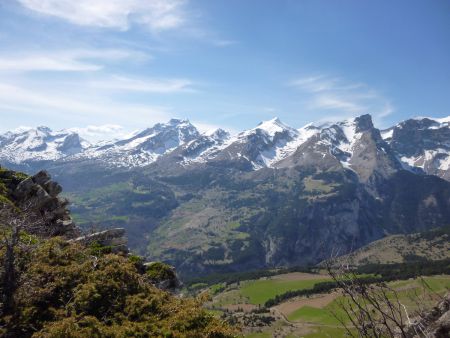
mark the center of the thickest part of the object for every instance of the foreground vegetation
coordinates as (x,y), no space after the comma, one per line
(51,286)
(65,291)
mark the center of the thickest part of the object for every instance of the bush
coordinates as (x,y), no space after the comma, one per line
(158,271)
(64,291)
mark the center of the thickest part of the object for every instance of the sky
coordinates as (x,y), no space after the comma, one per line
(109,67)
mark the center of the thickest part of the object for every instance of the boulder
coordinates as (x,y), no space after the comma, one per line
(24,188)
(40,199)
(52,188)
(41,177)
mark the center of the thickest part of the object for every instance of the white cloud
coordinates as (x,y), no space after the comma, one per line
(50,103)
(336,102)
(70,60)
(95,133)
(121,83)
(44,63)
(224,42)
(157,15)
(342,98)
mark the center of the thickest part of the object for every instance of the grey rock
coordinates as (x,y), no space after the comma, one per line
(114,238)
(52,188)
(39,192)
(41,198)
(24,188)
(41,177)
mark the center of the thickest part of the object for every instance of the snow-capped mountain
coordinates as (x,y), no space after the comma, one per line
(341,183)
(262,146)
(422,144)
(146,146)
(353,144)
(39,144)
(203,148)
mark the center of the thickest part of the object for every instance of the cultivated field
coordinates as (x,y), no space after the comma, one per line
(313,316)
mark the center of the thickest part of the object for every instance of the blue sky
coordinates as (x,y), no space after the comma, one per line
(108,67)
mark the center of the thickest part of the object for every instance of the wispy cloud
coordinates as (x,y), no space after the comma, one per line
(78,106)
(157,15)
(224,42)
(70,60)
(342,98)
(96,133)
(121,83)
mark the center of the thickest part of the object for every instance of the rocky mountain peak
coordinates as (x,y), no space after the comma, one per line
(419,144)
(176,122)
(363,123)
(422,145)
(39,144)
(218,134)
(273,127)
(44,129)
(146,146)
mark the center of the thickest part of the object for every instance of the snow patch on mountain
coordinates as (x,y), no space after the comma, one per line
(387,134)
(352,136)
(205,147)
(39,144)
(266,144)
(281,151)
(144,147)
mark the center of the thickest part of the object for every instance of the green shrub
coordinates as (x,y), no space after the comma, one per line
(98,249)
(158,271)
(64,291)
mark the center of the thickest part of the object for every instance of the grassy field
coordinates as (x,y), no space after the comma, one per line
(426,289)
(314,315)
(259,291)
(314,321)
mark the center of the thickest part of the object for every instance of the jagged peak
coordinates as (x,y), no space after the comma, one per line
(273,126)
(426,122)
(364,122)
(44,129)
(309,126)
(178,122)
(217,134)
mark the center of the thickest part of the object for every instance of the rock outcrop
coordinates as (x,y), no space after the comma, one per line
(39,195)
(115,239)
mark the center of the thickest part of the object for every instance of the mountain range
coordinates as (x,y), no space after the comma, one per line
(269,196)
(421,145)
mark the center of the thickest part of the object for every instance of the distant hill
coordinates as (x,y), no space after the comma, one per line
(430,245)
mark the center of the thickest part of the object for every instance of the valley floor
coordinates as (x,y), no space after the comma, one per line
(318,315)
